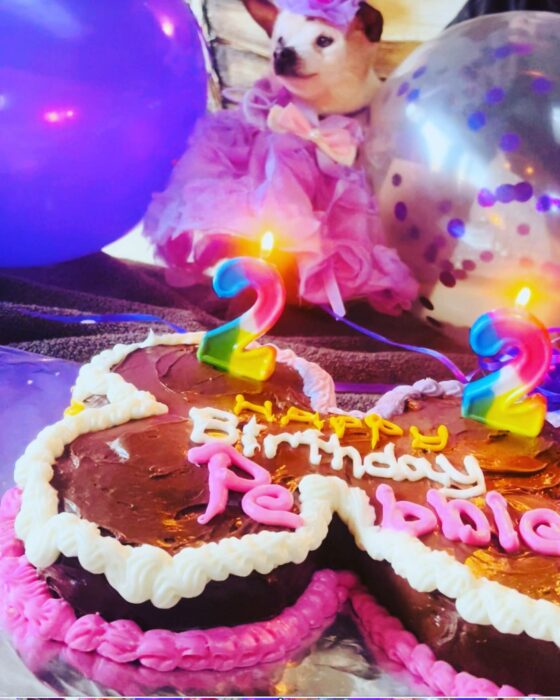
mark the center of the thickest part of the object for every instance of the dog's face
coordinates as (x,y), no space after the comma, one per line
(304,48)
(319,62)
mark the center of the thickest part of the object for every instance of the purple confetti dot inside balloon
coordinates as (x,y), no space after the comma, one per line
(396,179)
(505,194)
(468,265)
(495,95)
(523,49)
(456,228)
(523,229)
(414,233)
(542,85)
(446,265)
(445,206)
(460,274)
(413,95)
(544,203)
(403,89)
(504,51)
(419,72)
(523,191)
(476,121)
(447,279)
(486,198)
(401,211)
(487,256)
(510,142)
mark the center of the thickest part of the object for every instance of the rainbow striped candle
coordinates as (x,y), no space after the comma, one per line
(501,399)
(226,347)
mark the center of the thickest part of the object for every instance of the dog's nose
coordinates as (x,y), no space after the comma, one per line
(285,61)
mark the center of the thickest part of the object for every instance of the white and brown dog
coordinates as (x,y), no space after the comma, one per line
(328,67)
(288,159)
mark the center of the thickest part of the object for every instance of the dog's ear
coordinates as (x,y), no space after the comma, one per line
(263,12)
(371,21)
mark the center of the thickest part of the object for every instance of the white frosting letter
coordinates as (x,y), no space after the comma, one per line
(210,424)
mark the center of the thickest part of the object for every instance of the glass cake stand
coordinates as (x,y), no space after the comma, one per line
(337,664)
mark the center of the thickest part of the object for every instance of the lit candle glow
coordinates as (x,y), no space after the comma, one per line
(524,297)
(267,244)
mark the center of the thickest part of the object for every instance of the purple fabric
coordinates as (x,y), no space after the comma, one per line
(239,179)
(337,12)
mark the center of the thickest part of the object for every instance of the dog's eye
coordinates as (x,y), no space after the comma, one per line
(323,41)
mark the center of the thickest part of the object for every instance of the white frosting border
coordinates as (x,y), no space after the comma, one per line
(96,376)
(147,573)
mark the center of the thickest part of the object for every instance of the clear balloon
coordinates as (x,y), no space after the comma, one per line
(464,155)
(97,99)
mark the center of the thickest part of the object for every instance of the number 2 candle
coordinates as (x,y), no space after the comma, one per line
(501,399)
(226,347)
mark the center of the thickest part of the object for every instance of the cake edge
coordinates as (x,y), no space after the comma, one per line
(95,377)
(149,573)
(28,598)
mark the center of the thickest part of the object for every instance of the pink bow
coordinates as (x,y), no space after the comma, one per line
(337,143)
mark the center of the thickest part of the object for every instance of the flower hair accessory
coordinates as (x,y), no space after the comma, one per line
(336,12)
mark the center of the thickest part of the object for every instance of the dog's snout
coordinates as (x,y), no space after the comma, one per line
(285,60)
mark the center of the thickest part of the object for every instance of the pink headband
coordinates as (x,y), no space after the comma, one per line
(336,12)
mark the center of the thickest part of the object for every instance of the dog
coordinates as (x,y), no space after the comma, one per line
(330,69)
(287,158)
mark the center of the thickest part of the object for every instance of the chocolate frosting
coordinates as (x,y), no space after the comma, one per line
(136,483)
(176,378)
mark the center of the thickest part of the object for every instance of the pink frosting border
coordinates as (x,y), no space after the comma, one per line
(27,599)
(27,596)
(385,632)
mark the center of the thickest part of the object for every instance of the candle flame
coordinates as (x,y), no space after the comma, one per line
(524,297)
(267,244)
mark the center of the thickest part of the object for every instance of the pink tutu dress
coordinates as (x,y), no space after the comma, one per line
(239,178)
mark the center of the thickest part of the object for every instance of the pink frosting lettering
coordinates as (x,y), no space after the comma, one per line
(509,539)
(461,520)
(540,530)
(409,517)
(221,480)
(270,504)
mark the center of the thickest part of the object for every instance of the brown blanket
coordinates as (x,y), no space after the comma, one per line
(101,284)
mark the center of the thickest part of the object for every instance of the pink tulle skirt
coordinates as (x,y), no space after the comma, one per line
(239,179)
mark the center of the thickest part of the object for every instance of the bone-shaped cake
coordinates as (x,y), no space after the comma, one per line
(181,498)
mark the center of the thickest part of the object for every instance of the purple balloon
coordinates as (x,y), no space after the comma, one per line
(97,100)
